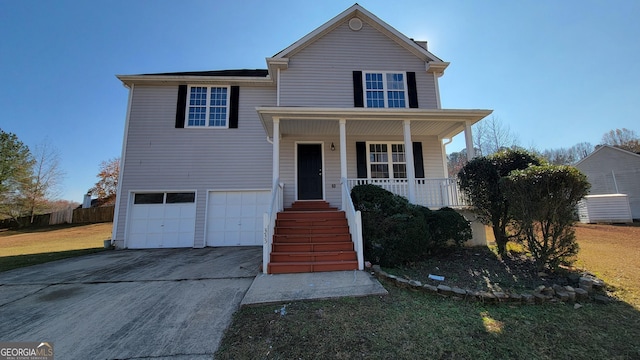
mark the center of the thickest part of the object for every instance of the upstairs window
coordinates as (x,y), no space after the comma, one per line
(387,161)
(385,89)
(208,107)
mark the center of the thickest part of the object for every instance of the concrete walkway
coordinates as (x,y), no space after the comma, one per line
(267,289)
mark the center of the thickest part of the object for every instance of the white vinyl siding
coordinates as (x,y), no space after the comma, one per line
(321,75)
(159,156)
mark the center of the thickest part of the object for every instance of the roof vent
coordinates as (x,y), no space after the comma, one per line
(355,24)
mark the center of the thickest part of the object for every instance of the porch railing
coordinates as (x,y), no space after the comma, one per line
(269,222)
(432,193)
(354,218)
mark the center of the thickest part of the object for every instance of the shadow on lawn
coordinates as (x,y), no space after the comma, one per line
(40,229)
(18,261)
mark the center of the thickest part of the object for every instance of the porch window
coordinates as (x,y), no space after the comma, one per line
(208,106)
(385,90)
(387,161)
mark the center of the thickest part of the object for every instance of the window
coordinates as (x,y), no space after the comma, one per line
(164,198)
(208,106)
(385,90)
(387,161)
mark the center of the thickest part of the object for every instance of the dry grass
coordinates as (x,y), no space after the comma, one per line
(612,252)
(33,246)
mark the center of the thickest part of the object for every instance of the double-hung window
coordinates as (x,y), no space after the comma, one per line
(387,161)
(385,89)
(208,106)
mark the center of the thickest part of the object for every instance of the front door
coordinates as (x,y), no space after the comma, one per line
(309,171)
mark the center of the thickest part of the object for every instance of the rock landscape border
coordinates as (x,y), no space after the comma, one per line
(590,288)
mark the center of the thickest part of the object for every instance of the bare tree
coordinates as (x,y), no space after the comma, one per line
(582,150)
(107,185)
(46,178)
(491,135)
(623,138)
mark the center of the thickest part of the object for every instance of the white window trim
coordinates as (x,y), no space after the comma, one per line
(385,88)
(206,124)
(389,157)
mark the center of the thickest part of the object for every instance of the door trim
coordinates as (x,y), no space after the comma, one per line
(295,165)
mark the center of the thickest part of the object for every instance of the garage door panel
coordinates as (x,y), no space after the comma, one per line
(235,217)
(161,225)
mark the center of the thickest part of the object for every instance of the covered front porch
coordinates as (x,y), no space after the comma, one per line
(401,150)
(322,153)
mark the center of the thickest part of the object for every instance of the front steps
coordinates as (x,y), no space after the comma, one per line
(311,236)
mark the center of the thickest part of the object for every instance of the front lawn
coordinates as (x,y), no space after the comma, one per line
(27,247)
(414,325)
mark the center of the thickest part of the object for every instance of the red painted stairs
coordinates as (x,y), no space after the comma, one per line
(311,236)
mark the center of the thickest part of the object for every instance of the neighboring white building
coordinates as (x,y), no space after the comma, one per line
(352,102)
(611,170)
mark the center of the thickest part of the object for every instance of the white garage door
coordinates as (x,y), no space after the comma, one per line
(234,218)
(162,220)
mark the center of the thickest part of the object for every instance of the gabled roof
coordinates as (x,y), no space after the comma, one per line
(363,14)
(601,147)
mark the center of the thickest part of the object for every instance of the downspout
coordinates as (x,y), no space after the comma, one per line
(444,156)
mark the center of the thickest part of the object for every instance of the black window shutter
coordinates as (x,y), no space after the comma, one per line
(233,107)
(358,96)
(413,92)
(181,107)
(361,159)
(418,163)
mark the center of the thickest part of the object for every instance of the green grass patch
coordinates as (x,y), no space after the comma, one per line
(409,325)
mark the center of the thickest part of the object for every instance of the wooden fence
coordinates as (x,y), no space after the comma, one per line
(93,215)
(69,216)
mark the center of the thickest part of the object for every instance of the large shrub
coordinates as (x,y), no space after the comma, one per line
(446,227)
(480,181)
(543,201)
(396,232)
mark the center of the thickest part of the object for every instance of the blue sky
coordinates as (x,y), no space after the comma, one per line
(556,72)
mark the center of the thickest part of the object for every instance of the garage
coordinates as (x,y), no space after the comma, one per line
(162,220)
(234,218)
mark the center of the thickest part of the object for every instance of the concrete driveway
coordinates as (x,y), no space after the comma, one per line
(129,304)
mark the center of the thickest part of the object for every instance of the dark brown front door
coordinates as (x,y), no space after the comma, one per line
(309,172)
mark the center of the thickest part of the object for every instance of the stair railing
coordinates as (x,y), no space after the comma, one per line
(354,219)
(269,222)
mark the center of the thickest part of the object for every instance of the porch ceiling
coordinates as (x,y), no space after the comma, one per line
(443,123)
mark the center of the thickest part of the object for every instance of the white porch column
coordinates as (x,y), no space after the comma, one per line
(411,171)
(276,150)
(468,137)
(343,148)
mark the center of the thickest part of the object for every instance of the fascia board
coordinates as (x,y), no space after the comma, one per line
(127,80)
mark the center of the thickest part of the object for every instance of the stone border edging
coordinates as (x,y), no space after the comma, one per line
(588,286)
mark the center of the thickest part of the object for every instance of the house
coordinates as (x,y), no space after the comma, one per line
(612,170)
(210,158)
